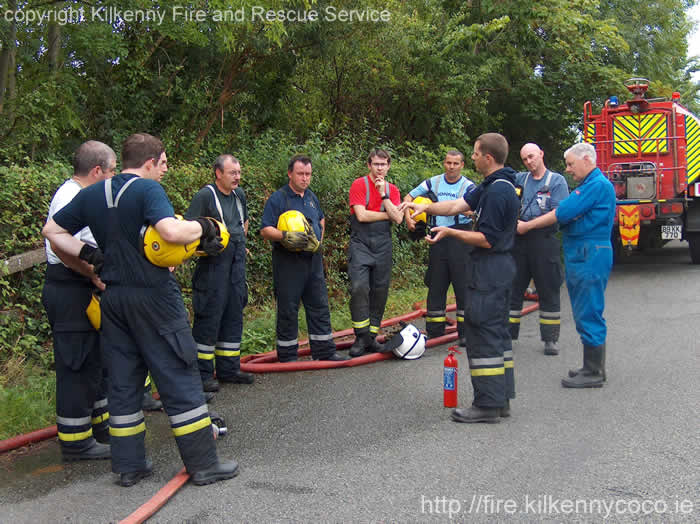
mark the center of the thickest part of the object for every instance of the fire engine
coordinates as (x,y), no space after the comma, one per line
(650,150)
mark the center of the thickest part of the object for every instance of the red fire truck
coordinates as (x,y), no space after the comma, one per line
(650,150)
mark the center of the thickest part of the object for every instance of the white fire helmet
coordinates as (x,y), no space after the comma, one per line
(409,343)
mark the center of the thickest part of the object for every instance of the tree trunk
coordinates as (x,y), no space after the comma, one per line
(7,59)
(54,45)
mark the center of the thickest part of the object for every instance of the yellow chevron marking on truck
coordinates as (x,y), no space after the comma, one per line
(640,133)
(692,151)
(590,133)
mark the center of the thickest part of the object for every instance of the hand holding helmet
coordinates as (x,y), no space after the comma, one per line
(312,244)
(297,234)
(210,241)
(294,240)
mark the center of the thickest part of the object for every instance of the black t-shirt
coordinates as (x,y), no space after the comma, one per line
(204,205)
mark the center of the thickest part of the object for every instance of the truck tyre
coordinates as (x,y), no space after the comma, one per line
(694,245)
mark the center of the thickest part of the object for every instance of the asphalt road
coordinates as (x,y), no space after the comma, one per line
(373,443)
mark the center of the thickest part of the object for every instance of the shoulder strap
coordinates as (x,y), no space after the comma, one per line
(239,206)
(436,183)
(462,188)
(216,201)
(366,179)
(112,202)
(527,177)
(549,178)
(506,181)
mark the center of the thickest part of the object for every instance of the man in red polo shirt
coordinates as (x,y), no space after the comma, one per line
(373,208)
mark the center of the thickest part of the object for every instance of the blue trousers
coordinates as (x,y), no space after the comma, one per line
(588,265)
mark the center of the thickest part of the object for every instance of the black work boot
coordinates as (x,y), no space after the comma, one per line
(210,385)
(374,346)
(358,347)
(95,452)
(477,414)
(238,377)
(592,374)
(150,404)
(220,471)
(505,410)
(550,347)
(134,477)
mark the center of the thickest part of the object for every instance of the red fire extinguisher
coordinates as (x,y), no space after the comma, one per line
(449,382)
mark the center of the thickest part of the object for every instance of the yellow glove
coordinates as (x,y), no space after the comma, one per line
(312,244)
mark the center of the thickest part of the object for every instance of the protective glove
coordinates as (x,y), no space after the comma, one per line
(210,241)
(312,244)
(419,232)
(92,255)
(294,240)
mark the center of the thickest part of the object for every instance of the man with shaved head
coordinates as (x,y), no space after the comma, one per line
(536,252)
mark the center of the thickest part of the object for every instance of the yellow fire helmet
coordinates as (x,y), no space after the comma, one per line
(292,221)
(421,217)
(165,254)
(222,232)
(94,313)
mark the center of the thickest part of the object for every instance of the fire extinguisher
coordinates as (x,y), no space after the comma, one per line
(449,382)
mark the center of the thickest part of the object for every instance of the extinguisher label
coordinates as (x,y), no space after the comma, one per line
(449,378)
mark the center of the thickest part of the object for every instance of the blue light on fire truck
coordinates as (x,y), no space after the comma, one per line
(613,101)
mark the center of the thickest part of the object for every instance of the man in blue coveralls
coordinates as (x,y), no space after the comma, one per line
(586,221)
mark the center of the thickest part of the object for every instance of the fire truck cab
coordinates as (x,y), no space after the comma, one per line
(650,150)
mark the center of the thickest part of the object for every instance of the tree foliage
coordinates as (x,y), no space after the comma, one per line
(438,71)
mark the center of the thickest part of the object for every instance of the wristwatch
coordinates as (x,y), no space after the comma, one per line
(386,197)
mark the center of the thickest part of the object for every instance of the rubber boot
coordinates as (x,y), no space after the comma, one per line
(574,372)
(222,470)
(358,347)
(592,374)
(550,348)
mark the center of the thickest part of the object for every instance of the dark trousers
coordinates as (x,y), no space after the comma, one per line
(370,275)
(447,264)
(81,402)
(299,278)
(162,343)
(537,257)
(486,329)
(219,295)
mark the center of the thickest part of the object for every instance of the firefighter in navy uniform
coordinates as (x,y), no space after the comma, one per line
(537,253)
(144,321)
(586,221)
(81,395)
(448,259)
(297,265)
(489,278)
(373,208)
(219,291)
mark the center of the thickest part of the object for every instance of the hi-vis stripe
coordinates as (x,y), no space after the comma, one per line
(634,132)
(692,150)
(590,133)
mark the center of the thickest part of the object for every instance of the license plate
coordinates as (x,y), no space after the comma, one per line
(671,232)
